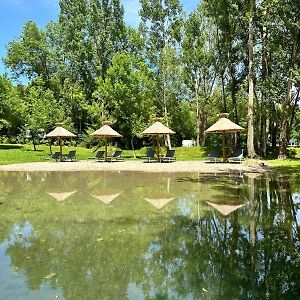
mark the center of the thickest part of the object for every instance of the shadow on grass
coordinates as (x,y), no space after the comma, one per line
(10,147)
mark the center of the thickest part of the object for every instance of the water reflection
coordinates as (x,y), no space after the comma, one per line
(179,247)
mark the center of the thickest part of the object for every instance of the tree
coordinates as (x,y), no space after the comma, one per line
(127,95)
(199,67)
(161,26)
(250,136)
(12,107)
(42,111)
(92,32)
(30,55)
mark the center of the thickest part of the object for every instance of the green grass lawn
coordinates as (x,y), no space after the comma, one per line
(12,153)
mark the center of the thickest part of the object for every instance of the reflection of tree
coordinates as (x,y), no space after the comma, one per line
(92,250)
(216,258)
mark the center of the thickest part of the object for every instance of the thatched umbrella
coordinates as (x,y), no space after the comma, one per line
(60,133)
(62,195)
(225,209)
(159,203)
(157,129)
(106,198)
(106,132)
(223,126)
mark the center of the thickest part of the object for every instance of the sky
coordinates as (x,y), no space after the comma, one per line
(14,13)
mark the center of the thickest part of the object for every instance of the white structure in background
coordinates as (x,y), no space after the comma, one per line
(188,143)
(40,133)
(293,143)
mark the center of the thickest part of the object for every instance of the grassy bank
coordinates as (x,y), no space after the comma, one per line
(11,153)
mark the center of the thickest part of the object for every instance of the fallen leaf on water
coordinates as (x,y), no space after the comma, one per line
(100,240)
(203,289)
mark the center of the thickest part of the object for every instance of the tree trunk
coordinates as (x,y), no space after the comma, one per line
(34,144)
(132,146)
(233,86)
(165,101)
(203,125)
(197,110)
(250,137)
(286,108)
(263,128)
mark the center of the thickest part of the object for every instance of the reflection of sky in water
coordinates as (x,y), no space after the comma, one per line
(13,282)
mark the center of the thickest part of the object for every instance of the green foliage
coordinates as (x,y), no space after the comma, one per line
(127,95)
(88,67)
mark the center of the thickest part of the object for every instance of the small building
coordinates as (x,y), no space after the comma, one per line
(188,143)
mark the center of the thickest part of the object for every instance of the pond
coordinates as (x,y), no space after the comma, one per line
(122,235)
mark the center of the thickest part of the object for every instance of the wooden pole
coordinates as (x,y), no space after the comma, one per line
(158,146)
(224,150)
(105,138)
(60,147)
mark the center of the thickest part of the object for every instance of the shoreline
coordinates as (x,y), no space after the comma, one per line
(135,166)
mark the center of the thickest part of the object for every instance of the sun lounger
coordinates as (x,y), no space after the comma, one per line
(115,157)
(149,156)
(71,156)
(237,156)
(56,156)
(213,156)
(99,156)
(169,157)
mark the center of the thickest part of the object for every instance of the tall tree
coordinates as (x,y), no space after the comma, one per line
(199,66)
(250,135)
(93,31)
(29,55)
(161,25)
(127,95)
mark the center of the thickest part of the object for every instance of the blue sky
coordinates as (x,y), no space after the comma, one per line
(14,13)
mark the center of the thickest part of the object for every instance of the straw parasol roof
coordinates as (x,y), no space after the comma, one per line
(61,196)
(224,124)
(106,131)
(106,198)
(159,203)
(60,132)
(225,209)
(157,128)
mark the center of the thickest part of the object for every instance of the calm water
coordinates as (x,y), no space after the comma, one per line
(148,236)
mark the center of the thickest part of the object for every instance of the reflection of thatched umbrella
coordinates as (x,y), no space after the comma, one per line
(223,126)
(61,196)
(225,209)
(60,133)
(157,129)
(159,203)
(106,198)
(106,132)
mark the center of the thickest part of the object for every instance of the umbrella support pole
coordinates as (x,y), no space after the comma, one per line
(60,148)
(105,148)
(224,150)
(158,146)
